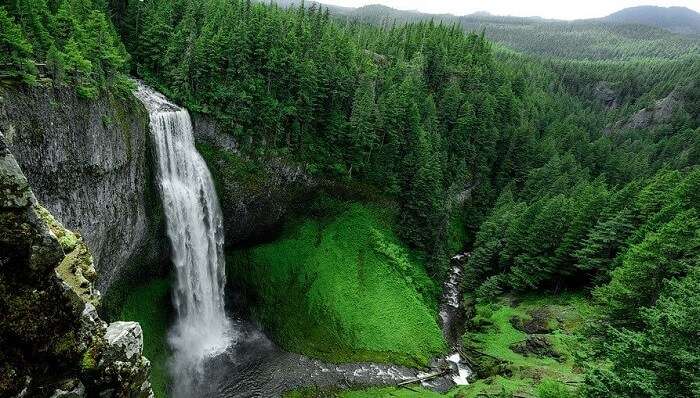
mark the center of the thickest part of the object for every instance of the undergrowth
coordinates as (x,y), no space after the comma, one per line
(147,304)
(561,317)
(340,286)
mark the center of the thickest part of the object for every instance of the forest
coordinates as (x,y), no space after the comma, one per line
(564,172)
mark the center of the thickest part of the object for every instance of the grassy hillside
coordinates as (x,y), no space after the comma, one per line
(508,366)
(147,304)
(340,286)
(522,341)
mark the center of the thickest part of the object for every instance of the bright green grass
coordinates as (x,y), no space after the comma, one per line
(147,305)
(531,376)
(413,392)
(343,289)
(377,392)
(494,386)
(567,314)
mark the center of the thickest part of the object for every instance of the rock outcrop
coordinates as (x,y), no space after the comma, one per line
(604,93)
(659,113)
(255,195)
(88,163)
(53,342)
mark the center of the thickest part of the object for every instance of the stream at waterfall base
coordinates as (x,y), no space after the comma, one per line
(254,366)
(216,354)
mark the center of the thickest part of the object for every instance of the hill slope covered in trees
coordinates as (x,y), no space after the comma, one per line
(674,19)
(577,172)
(609,38)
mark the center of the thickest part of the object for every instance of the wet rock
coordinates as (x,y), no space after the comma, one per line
(14,188)
(537,345)
(88,163)
(71,389)
(208,130)
(126,336)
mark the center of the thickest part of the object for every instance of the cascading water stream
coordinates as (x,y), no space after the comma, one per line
(252,365)
(194,227)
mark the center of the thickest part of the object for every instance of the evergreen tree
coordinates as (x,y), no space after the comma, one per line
(15,50)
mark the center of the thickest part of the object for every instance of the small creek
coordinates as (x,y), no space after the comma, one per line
(256,367)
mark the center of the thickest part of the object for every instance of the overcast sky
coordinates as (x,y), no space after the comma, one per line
(560,9)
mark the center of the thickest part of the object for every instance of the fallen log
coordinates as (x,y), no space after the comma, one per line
(466,358)
(426,377)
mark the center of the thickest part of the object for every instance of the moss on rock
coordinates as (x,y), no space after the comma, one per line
(77,268)
(47,320)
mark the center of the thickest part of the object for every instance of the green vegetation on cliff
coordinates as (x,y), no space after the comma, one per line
(148,305)
(557,175)
(342,287)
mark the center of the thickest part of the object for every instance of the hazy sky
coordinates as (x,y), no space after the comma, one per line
(560,9)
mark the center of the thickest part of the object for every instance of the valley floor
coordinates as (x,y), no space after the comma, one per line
(524,347)
(339,286)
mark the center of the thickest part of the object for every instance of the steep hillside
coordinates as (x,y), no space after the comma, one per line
(342,287)
(583,39)
(675,19)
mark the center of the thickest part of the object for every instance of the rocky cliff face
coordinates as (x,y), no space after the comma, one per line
(53,342)
(606,95)
(88,163)
(659,113)
(255,195)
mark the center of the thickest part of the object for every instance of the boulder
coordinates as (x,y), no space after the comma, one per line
(537,345)
(124,338)
(537,324)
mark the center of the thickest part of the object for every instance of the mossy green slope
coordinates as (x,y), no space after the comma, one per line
(563,316)
(343,288)
(147,304)
(378,392)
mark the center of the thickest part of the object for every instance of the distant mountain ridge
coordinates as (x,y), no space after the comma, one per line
(634,33)
(675,19)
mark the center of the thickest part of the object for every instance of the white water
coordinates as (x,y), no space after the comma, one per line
(194,227)
(449,305)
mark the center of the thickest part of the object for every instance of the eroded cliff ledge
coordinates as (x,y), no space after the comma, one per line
(53,342)
(88,162)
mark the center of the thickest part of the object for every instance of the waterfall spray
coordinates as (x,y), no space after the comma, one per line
(194,227)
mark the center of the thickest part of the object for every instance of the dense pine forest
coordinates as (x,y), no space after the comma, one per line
(591,39)
(566,172)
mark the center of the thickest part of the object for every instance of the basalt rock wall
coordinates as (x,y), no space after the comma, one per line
(88,162)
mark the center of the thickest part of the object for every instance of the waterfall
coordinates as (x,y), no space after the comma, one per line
(194,227)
